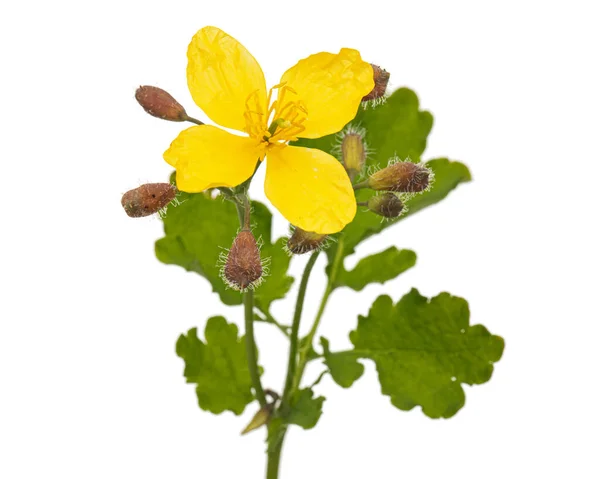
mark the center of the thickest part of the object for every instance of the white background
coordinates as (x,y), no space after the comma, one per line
(90,384)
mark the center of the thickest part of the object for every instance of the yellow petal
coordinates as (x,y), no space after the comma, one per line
(222,75)
(331,87)
(310,188)
(206,157)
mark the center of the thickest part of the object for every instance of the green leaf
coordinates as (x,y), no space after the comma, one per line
(344,368)
(201,228)
(424,349)
(377,268)
(218,366)
(305,410)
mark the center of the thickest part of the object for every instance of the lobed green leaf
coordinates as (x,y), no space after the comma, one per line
(424,349)
(305,410)
(217,366)
(376,268)
(344,368)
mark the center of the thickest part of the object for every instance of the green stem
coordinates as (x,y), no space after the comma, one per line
(243,215)
(271,320)
(292,360)
(337,261)
(273,459)
(192,120)
(251,347)
(274,453)
(361,185)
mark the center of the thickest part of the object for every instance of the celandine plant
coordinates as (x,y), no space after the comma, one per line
(343,163)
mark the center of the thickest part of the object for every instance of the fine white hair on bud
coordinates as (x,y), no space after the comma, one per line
(301,241)
(352,150)
(401,176)
(377,95)
(388,205)
(243,268)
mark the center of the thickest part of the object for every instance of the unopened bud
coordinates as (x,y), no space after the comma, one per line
(304,241)
(148,199)
(160,104)
(387,205)
(260,418)
(354,152)
(381,79)
(243,267)
(403,176)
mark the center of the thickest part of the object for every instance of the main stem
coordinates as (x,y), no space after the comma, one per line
(274,453)
(244,214)
(296,368)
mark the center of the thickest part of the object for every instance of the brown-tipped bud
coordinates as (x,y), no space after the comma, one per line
(387,205)
(160,104)
(243,267)
(148,199)
(261,418)
(403,176)
(381,79)
(354,153)
(304,241)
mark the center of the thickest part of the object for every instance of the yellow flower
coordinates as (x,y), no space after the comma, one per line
(316,97)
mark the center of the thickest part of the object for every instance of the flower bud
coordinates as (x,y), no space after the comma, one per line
(354,152)
(381,79)
(160,104)
(243,267)
(387,205)
(403,176)
(148,199)
(304,241)
(261,418)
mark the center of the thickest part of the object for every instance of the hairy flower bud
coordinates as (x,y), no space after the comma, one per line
(387,205)
(304,241)
(403,176)
(243,268)
(148,199)
(354,153)
(157,102)
(381,79)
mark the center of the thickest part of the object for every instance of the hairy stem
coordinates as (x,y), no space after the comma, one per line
(339,254)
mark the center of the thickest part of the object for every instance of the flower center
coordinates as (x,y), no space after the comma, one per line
(285,117)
